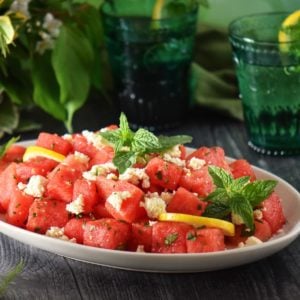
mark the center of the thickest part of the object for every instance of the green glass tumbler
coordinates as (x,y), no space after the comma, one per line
(150,59)
(268,73)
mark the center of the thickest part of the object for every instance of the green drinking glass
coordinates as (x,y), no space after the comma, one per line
(150,46)
(268,72)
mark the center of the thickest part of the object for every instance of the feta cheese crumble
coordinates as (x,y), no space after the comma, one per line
(196,163)
(154,205)
(94,139)
(250,241)
(58,233)
(97,170)
(174,151)
(135,176)
(175,160)
(76,206)
(81,157)
(35,187)
(236,219)
(116,199)
(258,215)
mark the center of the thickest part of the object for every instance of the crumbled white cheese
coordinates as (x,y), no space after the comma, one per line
(175,160)
(174,151)
(236,219)
(112,176)
(154,205)
(35,187)
(116,199)
(94,138)
(166,196)
(196,163)
(58,233)
(76,206)
(67,137)
(81,157)
(135,176)
(104,129)
(99,170)
(252,240)
(140,248)
(258,215)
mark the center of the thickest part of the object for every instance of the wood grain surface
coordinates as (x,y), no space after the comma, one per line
(49,276)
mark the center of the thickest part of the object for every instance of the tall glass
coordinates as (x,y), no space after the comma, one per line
(268,72)
(150,50)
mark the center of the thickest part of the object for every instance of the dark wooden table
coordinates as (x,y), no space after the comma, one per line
(49,276)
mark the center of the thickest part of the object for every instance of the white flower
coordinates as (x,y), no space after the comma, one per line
(52,25)
(20,6)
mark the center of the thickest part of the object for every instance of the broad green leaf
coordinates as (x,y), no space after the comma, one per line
(240,183)
(171,141)
(112,136)
(123,160)
(217,210)
(9,116)
(257,191)
(240,206)
(221,178)
(218,195)
(27,125)
(4,148)
(144,140)
(72,60)
(46,89)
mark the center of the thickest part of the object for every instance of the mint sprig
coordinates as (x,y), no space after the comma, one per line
(130,145)
(238,196)
(5,147)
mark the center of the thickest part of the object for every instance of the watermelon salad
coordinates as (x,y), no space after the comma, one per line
(123,190)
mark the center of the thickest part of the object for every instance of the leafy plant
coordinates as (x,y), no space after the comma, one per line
(238,196)
(129,145)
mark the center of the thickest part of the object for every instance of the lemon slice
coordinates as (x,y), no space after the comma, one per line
(36,151)
(227,227)
(285,34)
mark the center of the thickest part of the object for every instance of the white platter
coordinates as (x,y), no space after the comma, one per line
(173,263)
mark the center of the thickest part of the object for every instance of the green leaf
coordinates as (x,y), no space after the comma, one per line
(144,140)
(218,195)
(240,183)
(46,91)
(5,147)
(112,136)
(72,60)
(9,116)
(10,277)
(217,209)
(240,206)
(171,141)
(257,191)
(95,3)
(221,178)
(126,133)
(123,160)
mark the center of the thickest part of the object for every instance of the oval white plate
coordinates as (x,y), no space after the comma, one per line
(176,263)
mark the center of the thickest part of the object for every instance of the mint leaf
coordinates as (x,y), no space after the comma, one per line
(217,209)
(112,136)
(124,160)
(145,141)
(171,141)
(218,195)
(5,147)
(240,183)
(126,133)
(221,178)
(259,190)
(240,206)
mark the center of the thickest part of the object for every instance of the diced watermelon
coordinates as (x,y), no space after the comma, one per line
(273,212)
(183,152)
(163,173)
(100,211)
(54,142)
(87,189)
(8,183)
(262,230)
(197,181)
(130,209)
(75,228)
(18,208)
(37,166)
(205,240)
(102,156)
(240,168)
(14,153)
(75,162)
(81,145)
(169,237)
(45,213)
(186,202)
(239,237)
(141,235)
(61,182)
(107,233)
(213,156)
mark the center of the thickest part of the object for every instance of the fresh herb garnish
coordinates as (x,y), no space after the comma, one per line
(237,196)
(171,238)
(130,145)
(10,277)
(4,148)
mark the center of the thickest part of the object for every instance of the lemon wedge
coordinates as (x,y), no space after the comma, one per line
(286,31)
(227,227)
(36,151)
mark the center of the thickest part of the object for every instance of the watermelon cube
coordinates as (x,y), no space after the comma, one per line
(54,142)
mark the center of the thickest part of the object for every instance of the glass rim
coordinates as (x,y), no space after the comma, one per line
(194,9)
(249,40)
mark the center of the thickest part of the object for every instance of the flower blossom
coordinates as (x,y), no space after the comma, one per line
(20,6)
